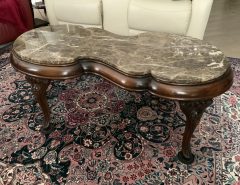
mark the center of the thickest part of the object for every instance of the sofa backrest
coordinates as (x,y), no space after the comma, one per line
(78,12)
(130,17)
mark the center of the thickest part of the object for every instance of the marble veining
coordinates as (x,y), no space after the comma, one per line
(167,57)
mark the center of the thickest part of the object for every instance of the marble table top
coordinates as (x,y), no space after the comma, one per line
(167,57)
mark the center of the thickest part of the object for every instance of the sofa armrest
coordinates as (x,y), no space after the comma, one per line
(199,19)
(115,15)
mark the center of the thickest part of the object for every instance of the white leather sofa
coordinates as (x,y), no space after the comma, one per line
(129,17)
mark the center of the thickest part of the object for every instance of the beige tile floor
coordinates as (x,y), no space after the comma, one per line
(223,29)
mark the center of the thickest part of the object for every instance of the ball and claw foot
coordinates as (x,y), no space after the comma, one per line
(47,130)
(184,159)
(193,110)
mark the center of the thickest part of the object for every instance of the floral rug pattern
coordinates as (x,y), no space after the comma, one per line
(109,136)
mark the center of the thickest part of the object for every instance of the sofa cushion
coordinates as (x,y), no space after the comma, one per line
(115,16)
(159,15)
(78,11)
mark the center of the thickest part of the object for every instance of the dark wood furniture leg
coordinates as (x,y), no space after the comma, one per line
(39,87)
(193,111)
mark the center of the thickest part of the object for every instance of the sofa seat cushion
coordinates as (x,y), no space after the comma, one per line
(159,15)
(78,11)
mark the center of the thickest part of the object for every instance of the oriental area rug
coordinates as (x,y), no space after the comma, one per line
(109,136)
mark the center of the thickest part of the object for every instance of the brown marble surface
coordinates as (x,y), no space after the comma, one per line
(167,57)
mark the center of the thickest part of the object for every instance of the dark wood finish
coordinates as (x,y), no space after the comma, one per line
(39,87)
(194,99)
(135,83)
(193,111)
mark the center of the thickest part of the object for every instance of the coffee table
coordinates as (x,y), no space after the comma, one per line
(170,66)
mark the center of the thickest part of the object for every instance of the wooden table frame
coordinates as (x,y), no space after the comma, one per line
(193,99)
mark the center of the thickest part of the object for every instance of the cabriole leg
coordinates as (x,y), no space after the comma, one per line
(193,111)
(39,87)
